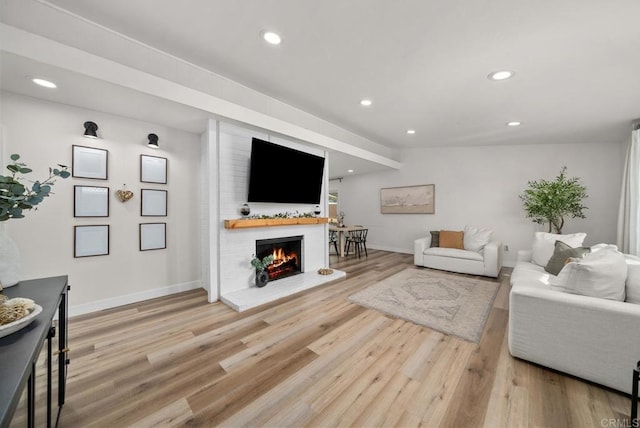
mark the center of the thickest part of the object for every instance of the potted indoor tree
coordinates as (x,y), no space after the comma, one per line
(551,201)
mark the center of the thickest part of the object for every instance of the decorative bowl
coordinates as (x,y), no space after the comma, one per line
(16,325)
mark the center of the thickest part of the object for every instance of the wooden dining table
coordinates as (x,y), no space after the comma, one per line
(342,234)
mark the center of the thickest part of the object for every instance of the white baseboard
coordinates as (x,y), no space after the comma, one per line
(131,298)
(392,249)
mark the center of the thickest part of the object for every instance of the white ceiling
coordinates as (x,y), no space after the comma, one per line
(423,62)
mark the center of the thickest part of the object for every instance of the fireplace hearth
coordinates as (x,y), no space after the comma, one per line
(287,255)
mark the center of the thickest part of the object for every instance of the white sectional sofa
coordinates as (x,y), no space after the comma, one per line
(480,259)
(594,338)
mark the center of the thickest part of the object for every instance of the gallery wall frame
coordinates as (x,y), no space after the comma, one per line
(153,203)
(153,169)
(90,240)
(153,236)
(418,199)
(89,162)
(90,201)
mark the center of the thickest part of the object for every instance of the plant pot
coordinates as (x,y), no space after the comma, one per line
(262,277)
(9,260)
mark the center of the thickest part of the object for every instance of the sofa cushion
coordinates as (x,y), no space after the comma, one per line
(526,274)
(632,288)
(451,239)
(561,253)
(453,253)
(475,238)
(435,238)
(543,245)
(601,273)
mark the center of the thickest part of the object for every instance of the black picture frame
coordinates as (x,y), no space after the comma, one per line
(89,162)
(153,202)
(91,240)
(153,236)
(90,201)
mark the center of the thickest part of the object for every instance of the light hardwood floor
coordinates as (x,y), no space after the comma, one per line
(313,359)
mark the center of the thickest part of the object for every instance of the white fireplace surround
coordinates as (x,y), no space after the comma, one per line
(229,274)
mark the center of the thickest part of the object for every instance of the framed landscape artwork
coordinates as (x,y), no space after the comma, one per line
(408,200)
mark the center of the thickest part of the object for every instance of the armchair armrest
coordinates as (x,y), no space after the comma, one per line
(493,258)
(419,245)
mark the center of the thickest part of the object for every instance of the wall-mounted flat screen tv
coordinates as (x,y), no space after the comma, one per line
(284,175)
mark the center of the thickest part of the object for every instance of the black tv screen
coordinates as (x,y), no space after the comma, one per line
(283,175)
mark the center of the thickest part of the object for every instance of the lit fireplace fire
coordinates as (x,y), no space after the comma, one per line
(282,264)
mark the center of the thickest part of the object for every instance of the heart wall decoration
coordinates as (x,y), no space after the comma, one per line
(124,195)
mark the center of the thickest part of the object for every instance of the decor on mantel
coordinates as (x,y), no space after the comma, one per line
(285,214)
(316,210)
(15,198)
(551,201)
(245,210)
(123,194)
(262,276)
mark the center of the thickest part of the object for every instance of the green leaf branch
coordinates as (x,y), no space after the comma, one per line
(16,195)
(261,265)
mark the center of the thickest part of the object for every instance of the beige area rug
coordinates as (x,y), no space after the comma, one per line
(452,304)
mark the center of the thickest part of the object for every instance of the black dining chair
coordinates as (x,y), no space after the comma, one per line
(333,239)
(359,240)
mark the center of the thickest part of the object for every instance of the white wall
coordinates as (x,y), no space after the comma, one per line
(480,186)
(43,134)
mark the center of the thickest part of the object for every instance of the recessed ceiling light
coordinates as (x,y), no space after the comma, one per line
(500,75)
(514,123)
(44,83)
(349,170)
(366,102)
(271,37)
(411,131)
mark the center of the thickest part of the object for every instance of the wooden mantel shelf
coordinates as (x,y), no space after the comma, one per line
(244,223)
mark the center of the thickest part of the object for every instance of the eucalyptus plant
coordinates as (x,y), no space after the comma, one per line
(552,201)
(261,265)
(16,195)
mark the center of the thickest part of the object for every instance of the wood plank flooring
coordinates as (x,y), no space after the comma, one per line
(313,359)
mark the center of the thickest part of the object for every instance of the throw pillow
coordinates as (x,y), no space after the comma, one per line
(475,238)
(543,245)
(435,238)
(599,274)
(633,279)
(561,253)
(451,239)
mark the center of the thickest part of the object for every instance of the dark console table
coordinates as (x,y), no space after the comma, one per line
(19,351)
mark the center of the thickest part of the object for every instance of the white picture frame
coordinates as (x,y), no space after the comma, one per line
(91,240)
(89,162)
(153,236)
(153,169)
(153,203)
(90,201)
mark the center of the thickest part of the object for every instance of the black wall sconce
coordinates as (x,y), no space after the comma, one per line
(153,141)
(90,130)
